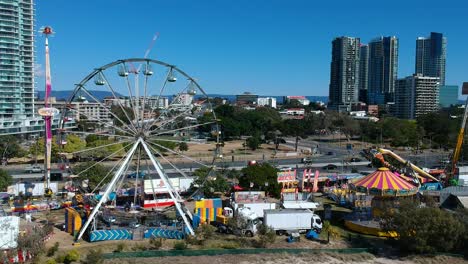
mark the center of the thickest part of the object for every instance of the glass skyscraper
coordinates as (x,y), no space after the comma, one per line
(382,70)
(448,95)
(17,67)
(363,70)
(431,56)
(344,73)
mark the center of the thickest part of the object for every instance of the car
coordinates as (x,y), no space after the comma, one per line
(306,160)
(285,168)
(34,168)
(330,167)
(354,160)
(329,153)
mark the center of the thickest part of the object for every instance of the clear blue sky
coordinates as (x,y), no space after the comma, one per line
(269,47)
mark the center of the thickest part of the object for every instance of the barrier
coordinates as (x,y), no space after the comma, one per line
(164,233)
(114,234)
(214,252)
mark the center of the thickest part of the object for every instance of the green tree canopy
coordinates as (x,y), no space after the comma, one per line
(10,148)
(209,182)
(424,230)
(259,175)
(5,180)
(93,172)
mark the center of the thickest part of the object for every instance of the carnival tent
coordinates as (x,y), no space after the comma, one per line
(384,183)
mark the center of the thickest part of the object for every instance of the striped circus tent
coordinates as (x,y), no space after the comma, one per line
(384,183)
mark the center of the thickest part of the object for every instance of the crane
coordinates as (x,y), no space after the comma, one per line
(452,168)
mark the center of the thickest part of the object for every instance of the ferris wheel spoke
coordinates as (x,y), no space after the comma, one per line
(108,173)
(102,160)
(168,121)
(129,89)
(118,100)
(182,128)
(170,163)
(90,118)
(137,174)
(107,109)
(102,146)
(145,92)
(178,153)
(176,141)
(159,95)
(107,134)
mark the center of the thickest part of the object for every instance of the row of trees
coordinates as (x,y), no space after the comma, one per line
(436,130)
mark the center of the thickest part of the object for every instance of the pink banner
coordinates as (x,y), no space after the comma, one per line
(315,188)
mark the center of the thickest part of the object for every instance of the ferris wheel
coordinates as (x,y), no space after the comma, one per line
(148,112)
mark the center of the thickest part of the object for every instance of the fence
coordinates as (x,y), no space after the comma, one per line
(214,252)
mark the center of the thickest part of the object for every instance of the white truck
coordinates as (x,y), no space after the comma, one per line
(257,208)
(292,220)
(247,222)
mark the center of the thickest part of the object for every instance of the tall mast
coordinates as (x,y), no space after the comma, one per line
(48,115)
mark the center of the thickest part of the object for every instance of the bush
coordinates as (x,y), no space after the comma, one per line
(120,247)
(51,261)
(93,257)
(71,256)
(51,251)
(180,245)
(266,235)
(156,243)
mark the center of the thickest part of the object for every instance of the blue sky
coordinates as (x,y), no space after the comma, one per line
(269,47)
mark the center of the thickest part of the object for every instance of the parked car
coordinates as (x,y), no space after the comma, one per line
(354,160)
(34,168)
(306,160)
(330,167)
(330,153)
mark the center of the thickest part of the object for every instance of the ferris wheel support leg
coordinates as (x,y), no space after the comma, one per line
(169,188)
(109,188)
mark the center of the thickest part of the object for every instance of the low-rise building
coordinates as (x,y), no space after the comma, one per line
(266,101)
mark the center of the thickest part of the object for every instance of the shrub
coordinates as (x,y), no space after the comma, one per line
(156,243)
(120,247)
(266,235)
(180,245)
(51,261)
(71,256)
(51,251)
(93,257)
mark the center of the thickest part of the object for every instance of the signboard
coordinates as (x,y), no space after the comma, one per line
(158,185)
(286,176)
(254,196)
(48,111)
(31,189)
(9,230)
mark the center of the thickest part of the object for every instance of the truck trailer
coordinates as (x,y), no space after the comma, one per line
(292,220)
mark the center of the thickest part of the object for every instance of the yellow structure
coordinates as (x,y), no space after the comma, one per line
(368,229)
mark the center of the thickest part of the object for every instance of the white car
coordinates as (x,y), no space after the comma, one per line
(34,168)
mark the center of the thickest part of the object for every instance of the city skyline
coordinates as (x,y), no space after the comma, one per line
(251,47)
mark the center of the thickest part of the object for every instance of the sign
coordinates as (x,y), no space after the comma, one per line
(48,111)
(286,176)
(9,231)
(158,185)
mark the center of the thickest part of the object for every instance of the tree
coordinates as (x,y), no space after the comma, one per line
(209,182)
(9,147)
(183,146)
(263,177)
(94,173)
(423,230)
(74,143)
(254,142)
(5,180)
(39,148)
